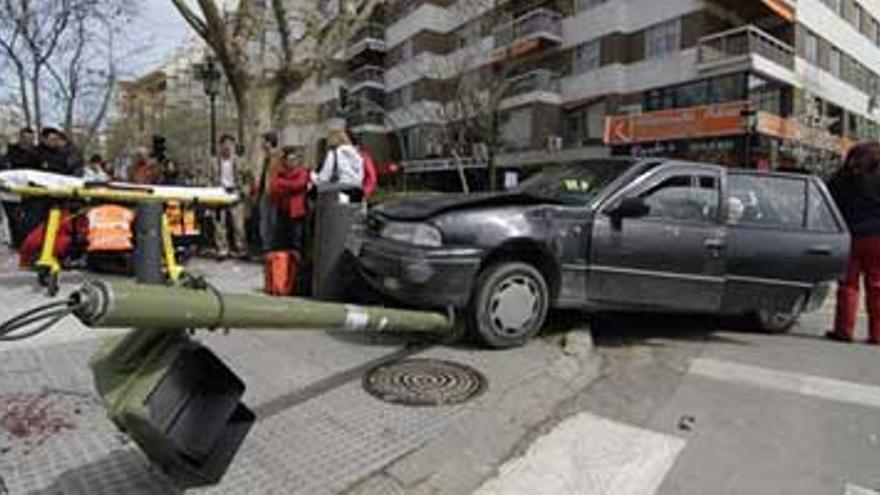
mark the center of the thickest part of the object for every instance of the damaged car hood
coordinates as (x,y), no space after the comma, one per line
(423,208)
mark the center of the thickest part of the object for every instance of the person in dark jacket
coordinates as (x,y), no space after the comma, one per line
(20,155)
(57,154)
(856,189)
(23,154)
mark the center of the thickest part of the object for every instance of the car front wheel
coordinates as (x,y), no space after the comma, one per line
(509,304)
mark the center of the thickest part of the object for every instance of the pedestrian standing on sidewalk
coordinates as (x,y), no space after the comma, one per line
(289,186)
(343,167)
(856,189)
(20,155)
(142,170)
(228,176)
(266,210)
(95,170)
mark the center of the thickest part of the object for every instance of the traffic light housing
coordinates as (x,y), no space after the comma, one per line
(176,400)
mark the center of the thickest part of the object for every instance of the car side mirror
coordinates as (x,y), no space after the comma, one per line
(631,207)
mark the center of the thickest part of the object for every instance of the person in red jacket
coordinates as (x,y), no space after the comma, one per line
(371,175)
(288,187)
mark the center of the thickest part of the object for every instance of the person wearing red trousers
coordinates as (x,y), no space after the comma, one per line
(856,189)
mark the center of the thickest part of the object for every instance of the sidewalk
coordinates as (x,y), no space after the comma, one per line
(318,431)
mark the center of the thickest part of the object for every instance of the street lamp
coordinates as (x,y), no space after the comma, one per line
(210,76)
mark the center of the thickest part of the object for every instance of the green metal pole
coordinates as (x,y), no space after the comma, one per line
(124,304)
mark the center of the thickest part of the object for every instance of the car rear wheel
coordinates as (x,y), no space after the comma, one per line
(509,304)
(777,321)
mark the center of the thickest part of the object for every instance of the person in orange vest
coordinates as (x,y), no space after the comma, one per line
(288,186)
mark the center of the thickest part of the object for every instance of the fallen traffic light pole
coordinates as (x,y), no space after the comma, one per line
(175,399)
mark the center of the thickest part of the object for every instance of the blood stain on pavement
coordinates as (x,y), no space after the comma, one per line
(31,419)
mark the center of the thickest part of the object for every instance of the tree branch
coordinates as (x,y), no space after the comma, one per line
(191,18)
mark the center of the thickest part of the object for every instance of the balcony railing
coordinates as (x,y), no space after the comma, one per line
(366,118)
(536,80)
(539,22)
(367,75)
(371,36)
(740,44)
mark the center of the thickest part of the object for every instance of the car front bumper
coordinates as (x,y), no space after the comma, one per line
(423,277)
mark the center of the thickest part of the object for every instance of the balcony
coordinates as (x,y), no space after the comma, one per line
(371,37)
(369,76)
(366,118)
(540,80)
(535,30)
(746,48)
(540,85)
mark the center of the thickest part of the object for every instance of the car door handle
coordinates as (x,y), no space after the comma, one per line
(714,244)
(820,250)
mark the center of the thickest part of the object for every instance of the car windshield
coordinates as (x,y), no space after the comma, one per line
(575,183)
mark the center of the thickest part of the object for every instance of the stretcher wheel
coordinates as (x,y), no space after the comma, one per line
(49,280)
(52,285)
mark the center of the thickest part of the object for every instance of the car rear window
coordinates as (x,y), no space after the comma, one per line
(768,201)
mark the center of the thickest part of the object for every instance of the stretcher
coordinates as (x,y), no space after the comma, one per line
(60,190)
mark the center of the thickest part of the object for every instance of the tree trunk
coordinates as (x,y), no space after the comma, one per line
(254,119)
(35,93)
(23,94)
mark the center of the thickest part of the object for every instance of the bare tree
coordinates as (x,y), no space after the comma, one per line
(269,48)
(56,49)
(471,85)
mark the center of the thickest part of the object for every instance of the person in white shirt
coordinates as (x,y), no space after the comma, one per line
(343,166)
(232,218)
(94,170)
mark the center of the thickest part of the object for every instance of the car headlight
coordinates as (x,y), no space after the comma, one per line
(420,234)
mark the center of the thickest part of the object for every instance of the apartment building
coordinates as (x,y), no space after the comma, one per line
(754,83)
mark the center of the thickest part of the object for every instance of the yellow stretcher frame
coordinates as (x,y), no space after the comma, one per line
(47,265)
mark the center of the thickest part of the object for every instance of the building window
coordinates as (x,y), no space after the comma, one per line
(581,5)
(858,16)
(663,39)
(834,61)
(812,48)
(834,5)
(516,130)
(587,57)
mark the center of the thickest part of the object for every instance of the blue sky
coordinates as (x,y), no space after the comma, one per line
(155,33)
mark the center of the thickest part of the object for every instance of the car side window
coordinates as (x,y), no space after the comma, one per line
(767,201)
(819,216)
(683,198)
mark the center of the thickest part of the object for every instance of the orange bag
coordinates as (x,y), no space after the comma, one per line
(280,273)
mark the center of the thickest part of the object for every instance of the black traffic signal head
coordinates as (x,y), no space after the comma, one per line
(177,401)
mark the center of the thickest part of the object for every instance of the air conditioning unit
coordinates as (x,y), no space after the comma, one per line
(554,144)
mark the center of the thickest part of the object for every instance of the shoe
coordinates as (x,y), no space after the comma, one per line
(833,335)
(872,342)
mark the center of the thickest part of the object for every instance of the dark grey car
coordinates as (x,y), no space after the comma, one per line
(654,235)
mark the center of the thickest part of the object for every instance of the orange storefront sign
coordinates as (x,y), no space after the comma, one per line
(791,130)
(724,119)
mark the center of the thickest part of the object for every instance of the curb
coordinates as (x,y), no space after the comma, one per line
(474,445)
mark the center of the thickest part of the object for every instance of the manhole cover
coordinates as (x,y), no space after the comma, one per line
(424,382)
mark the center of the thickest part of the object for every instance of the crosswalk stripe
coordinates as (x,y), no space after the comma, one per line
(803,384)
(589,455)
